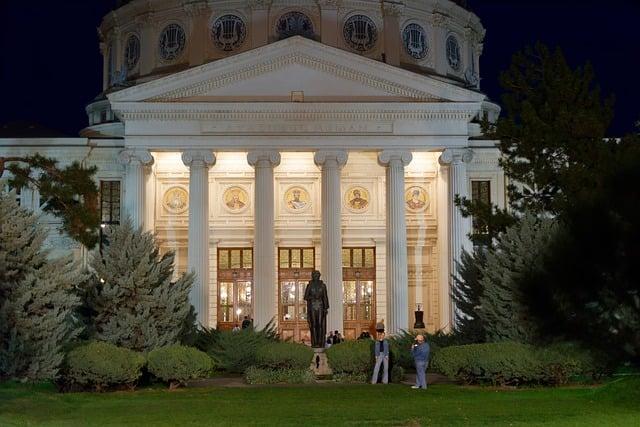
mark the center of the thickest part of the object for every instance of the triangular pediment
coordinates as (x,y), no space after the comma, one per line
(296,69)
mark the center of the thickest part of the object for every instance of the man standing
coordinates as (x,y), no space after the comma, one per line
(420,353)
(382,357)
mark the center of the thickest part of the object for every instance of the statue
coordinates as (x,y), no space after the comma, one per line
(317,306)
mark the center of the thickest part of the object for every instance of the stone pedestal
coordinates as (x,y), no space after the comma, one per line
(320,363)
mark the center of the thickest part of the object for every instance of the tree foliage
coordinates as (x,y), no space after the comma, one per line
(37,299)
(70,192)
(466,294)
(132,301)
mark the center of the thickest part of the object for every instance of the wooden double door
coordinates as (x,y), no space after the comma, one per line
(295,266)
(358,291)
(235,286)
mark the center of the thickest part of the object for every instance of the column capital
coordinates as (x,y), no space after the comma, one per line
(258,156)
(340,156)
(329,4)
(260,4)
(195,7)
(141,156)
(393,8)
(440,19)
(385,157)
(194,157)
(455,156)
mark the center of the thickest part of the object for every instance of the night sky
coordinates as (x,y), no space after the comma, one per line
(50,65)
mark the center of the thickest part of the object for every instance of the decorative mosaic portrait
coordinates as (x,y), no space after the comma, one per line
(235,199)
(416,199)
(297,199)
(176,200)
(357,199)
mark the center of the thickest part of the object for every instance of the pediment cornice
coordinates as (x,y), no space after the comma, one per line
(205,79)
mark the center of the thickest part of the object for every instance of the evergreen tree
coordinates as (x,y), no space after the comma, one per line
(466,294)
(133,302)
(517,252)
(37,299)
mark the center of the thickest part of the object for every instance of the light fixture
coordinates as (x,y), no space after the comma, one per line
(103,225)
(235,275)
(238,311)
(296,274)
(357,274)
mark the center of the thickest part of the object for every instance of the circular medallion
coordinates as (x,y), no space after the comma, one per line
(414,38)
(228,32)
(176,200)
(172,42)
(357,199)
(297,199)
(416,199)
(235,199)
(360,32)
(132,52)
(294,24)
(453,53)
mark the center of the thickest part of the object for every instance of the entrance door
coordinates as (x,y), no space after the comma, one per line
(358,291)
(294,272)
(235,280)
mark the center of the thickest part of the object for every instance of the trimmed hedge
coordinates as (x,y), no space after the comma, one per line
(506,363)
(100,365)
(351,357)
(256,375)
(177,364)
(284,355)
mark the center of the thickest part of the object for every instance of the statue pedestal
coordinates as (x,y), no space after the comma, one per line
(319,363)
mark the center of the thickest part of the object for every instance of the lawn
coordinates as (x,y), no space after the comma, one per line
(615,404)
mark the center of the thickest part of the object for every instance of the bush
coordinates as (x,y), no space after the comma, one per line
(284,355)
(256,375)
(100,365)
(507,363)
(397,374)
(235,351)
(351,378)
(351,357)
(400,345)
(177,364)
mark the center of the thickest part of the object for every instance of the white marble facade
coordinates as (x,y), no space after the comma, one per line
(297,143)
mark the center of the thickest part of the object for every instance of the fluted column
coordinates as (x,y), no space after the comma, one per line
(136,162)
(264,279)
(397,281)
(460,227)
(199,162)
(331,163)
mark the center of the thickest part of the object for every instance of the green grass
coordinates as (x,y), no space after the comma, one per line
(615,404)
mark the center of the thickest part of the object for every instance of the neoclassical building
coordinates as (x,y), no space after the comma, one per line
(261,140)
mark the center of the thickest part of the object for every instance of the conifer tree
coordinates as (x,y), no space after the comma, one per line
(466,294)
(516,254)
(133,302)
(37,298)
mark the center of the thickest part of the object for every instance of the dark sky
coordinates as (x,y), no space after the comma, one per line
(50,65)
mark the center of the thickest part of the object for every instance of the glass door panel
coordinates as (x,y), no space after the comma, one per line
(226,302)
(288,300)
(349,299)
(302,304)
(366,298)
(244,300)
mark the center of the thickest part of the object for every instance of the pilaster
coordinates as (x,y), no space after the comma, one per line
(198,162)
(392,37)
(259,22)
(397,274)
(196,9)
(331,163)
(264,285)
(329,16)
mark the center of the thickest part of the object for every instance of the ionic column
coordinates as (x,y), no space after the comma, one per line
(136,162)
(331,163)
(198,162)
(264,282)
(460,227)
(397,281)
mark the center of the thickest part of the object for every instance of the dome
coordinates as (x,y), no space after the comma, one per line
(145,39)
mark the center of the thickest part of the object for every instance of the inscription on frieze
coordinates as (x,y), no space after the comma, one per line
(244,128)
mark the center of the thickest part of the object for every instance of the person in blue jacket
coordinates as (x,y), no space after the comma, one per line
(420,353)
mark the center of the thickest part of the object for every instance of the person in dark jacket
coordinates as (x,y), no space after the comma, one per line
(420,353)
(246,323)
(382,358)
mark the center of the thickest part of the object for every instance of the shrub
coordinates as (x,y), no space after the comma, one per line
(506,363)
(235,351)
(101,365)
(351,357)
(177,364)
(351,378)
(284,355)
(397,374)
(256,375)
(400,345)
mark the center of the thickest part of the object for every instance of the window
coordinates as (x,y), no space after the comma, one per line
(132,52)
(360,33)
(235,286)
(358,290)
(453,53)
(414,38)
(172,42)
(480,191)
(228,32)
(109,205)
(294,24)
